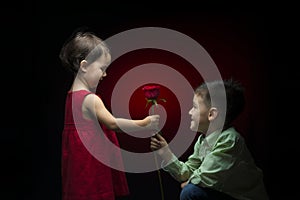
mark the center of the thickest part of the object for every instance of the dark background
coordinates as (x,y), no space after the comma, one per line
(254,43)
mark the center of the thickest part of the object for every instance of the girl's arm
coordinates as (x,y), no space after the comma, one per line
(93,104)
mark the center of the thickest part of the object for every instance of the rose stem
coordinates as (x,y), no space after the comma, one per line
(158,171)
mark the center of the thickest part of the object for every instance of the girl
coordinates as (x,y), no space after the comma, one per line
(89,125)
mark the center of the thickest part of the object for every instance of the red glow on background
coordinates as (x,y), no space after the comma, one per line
(138,110)
(136,106)
(138,102)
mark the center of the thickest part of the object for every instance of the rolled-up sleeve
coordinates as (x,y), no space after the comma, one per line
(182,171)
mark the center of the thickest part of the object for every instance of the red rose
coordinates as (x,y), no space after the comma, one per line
(151,92)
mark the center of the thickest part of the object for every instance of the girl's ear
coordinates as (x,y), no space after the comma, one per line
(83,65)
(213,113)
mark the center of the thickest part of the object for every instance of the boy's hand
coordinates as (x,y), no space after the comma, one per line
(184,184)
(158,143)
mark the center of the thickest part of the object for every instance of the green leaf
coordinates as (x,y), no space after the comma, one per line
(148,101)
(164,100)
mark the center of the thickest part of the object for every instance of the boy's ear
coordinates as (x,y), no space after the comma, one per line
(83,65)
(213,113)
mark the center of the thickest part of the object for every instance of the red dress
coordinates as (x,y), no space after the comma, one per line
(84,177)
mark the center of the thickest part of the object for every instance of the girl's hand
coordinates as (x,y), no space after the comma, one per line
(154,122)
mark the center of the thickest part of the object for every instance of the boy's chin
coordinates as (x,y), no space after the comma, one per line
(193,127)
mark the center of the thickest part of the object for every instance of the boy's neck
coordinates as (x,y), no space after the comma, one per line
(213,129)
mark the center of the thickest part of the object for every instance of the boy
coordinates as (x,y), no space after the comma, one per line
(221,167)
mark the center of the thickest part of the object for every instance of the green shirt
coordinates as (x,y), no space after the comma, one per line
(223,162)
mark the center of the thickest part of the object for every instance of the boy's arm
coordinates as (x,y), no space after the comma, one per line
(181,171)
(159,144)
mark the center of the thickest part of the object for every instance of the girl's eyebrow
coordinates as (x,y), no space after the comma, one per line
(104,66)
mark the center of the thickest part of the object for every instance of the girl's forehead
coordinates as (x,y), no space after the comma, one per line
(107,58)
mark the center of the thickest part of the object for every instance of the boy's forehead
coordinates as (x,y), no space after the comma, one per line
(197,99)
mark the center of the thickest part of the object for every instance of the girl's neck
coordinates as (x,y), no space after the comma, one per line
(78,85)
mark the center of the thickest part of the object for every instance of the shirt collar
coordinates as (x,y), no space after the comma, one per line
(212,138)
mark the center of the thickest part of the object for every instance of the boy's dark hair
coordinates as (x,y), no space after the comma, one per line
(81,45)
(212,92)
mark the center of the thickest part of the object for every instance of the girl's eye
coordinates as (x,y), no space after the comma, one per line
(103,69)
